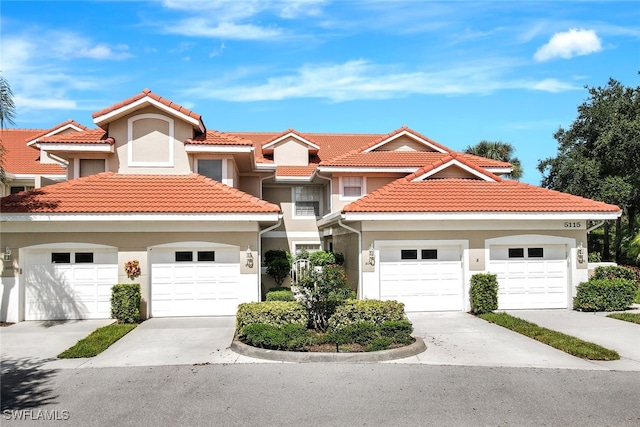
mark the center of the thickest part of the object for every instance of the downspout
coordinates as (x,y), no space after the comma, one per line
(359,233)
(593,227)
(260,233)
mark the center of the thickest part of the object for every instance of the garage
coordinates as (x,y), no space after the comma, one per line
(530,276)
(69,282)
(195,281)
(425,277)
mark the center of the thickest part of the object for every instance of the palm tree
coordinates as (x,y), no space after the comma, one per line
(498,150)
(7,114)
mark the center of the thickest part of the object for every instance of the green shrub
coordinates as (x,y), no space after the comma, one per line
(125,302)
(483,293)
(398,330)
(339,258)
(604,295)
(280,296)
(380,343)
(373,311)
(356,333)
(595,257)
(289,337)
(321,258)
(613,272)
(278,264)
(274,313)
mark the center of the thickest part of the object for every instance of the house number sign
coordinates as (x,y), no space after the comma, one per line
(572,224)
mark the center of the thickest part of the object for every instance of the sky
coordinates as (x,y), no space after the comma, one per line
(457,71)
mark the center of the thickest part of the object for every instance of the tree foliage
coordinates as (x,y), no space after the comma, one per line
(498,150)
(599,154)
(7,115)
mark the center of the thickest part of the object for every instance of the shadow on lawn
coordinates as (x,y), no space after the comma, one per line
(25,385)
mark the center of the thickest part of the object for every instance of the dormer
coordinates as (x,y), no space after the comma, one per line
(64,128)
(405,139)
(290,149)
(453,166)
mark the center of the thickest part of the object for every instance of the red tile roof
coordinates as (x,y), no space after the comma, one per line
(403,159)
(299,171)
(213,137)
(114,193)
(146,93)
(451,158)
(471,195)
(399,131)
(61,126)
(93,136)
(285,133)
(19,158)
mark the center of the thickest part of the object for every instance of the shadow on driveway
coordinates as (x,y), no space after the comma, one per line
(25,385)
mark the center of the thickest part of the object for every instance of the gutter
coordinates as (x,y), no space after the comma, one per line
(359,233)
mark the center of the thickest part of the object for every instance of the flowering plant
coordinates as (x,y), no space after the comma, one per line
(132,268)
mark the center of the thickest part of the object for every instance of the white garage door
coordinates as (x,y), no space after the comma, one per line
(423,278)
(69,283)
(194,282)
(530,276)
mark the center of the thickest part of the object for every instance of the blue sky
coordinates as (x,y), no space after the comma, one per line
(458,72)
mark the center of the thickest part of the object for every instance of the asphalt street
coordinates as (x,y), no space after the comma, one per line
(318,395)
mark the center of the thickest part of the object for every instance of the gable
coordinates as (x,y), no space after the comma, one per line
(405,143)
(291,152)
(454,171)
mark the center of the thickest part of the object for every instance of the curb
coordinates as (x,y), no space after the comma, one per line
(417,347)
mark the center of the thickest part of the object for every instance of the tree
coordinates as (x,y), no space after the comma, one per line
(498,150)
(599,155)
(7,115)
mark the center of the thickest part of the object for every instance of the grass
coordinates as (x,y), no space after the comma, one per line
(97,341)
(627,317)
(558,340)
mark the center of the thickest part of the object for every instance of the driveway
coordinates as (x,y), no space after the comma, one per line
(618,335)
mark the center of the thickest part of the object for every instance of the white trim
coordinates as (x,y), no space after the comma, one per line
(356,169)
(410,135)
(497,171)
(363,188)
(294,245)
(453,162)
(531,216)
(19,217)
(291,135)
(291,234)
(202,148)
(171,140)
(294,178)
(56,131)
(80,147)
(266,166)
(20,176)
(143,100)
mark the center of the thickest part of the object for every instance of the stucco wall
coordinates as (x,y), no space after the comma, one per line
(291,152)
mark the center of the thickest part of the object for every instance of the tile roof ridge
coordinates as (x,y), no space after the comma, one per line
(20,130)
(287,132)
(146,92)
(449,157)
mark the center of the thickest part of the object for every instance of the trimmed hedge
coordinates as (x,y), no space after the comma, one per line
(483,293)
(274,313)
(289,337)
(372,335)
(280,296)
(125,302)
(373,311)
(605,295)
(613,272)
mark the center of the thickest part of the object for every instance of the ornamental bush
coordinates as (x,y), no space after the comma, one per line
(373,311)
(372,335)
(278,264)
(283,295)
(289,337)
(483,293)
(274,313)
(613,272)
(605,295)
(321,258)
(125,302)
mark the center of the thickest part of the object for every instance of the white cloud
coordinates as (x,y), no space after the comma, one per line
(361,79)
(569,44)
(201,27)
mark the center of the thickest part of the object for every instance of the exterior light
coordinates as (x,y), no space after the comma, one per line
(372,255)
(6,256)
(580,252)
(249,257)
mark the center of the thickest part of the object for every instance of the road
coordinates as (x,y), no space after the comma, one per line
(321,394)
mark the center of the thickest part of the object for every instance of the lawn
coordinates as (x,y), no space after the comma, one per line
(627,317)
(558,340)
(97,341)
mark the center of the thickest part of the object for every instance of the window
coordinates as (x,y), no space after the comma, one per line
(18,189)
(84,257)
(184,256)
(516,252)
(535,252)
(61,258)
(429,254)
(307,201)
(351,186)
(409,254)
(211,168)
(209,256)
(91,166)
(309,247)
